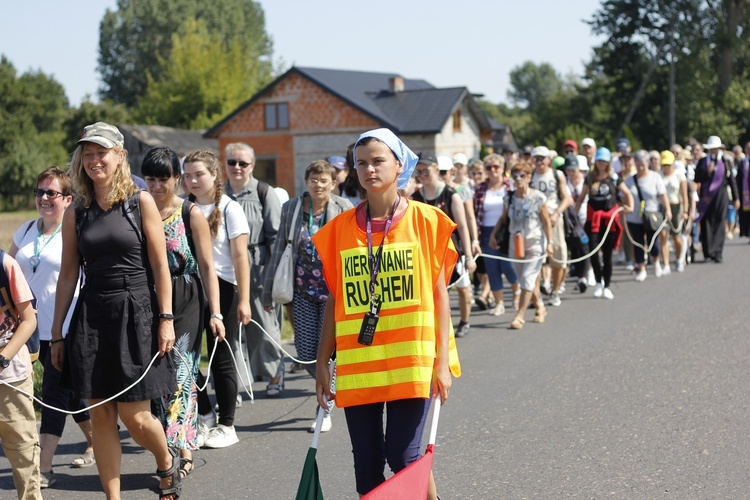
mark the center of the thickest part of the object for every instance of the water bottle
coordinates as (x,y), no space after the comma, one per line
(582,235)
(518,243)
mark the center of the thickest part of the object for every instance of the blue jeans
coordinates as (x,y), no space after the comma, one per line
(495,268)
(399,446)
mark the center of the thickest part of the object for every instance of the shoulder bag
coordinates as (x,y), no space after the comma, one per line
(283,278)
(651,220)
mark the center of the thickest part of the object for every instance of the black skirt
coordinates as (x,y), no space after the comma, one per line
(113,338)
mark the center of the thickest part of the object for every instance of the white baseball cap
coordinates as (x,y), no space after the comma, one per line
(460,158)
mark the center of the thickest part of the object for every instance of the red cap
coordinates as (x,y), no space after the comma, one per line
(571,142)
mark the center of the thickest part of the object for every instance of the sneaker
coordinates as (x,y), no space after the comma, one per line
(608,294)
(462,330)
(296,367)
(205,424)
(666,271)
(641,276)
(582,285)
(239,400)
(598,290)
(221,436)
(590,277)
(561,290)
(554,299)
(658,271)
(680,266)
(325,426)
(629,266)
(545,288)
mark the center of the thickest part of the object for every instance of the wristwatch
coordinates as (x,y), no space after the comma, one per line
(4,362)
(166,316)
(217,316)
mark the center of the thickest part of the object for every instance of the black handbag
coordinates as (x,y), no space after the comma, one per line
(502,236)
(651,220)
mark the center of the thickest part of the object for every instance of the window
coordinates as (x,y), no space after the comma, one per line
(457,120)
(265,170)
(277,116)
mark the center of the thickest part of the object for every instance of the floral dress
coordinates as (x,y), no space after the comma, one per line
(178,412)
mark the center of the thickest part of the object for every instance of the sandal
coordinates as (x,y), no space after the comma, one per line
(173,472)
(481,303)
(47,479)
(186,467)
(85,460)
(517,324)
(540,315)
(274,390)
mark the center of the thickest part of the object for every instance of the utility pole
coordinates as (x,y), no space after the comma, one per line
(672,122)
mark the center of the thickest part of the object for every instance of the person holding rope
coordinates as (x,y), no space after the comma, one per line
(439,193)
(302,217)
(647,220)
(603,225)
(37,247)
(123,322)
(530,220)
(387,265)
(675,183)
(229,231)
(188,251)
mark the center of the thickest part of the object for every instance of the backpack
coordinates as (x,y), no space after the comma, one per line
(33,343)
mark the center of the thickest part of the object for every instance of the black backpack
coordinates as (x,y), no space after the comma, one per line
(33,342)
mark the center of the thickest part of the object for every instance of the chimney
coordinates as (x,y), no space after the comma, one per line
(396,84)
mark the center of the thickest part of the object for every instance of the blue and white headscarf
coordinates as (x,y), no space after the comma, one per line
(405,156)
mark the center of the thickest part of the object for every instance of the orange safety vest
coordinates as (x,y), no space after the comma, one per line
(399,364)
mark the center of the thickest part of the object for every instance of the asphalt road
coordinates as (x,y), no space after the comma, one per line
(646,396)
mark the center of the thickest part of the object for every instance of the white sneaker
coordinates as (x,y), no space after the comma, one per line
(680,266)
(658,271)
(598,290)
(221,436)
(205,423)
(608,294)
(554,299)
(561,290)
(641,276)
(629,266)
(325,426)
(666,271)
(590,277)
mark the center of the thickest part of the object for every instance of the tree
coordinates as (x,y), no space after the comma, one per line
(202,80)
(138,35)
(89,112)
(533,84)
(32,109)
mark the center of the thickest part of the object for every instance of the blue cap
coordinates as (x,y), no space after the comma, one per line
(622,144)
(337,161)
(603,154)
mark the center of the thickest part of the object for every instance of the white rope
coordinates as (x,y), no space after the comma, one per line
(91,406)
(568,261)
(653,238)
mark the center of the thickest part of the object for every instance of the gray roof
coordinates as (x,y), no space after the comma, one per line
(180,140)
(419,108)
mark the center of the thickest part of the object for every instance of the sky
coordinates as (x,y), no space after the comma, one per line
(449,43)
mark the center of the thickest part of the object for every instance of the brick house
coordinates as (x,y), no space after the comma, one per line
(312,113)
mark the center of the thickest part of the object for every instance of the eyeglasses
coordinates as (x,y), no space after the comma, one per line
(242,164)
(538,159)
(51,193)
(319,182)
(519,176)
(493,167)
(421,171)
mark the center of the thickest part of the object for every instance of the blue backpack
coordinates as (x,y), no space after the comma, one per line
(33,342)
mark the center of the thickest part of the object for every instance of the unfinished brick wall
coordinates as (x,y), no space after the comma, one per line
(312,111)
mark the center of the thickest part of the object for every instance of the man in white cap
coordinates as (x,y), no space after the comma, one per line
(588,148)
(552,183)
(713,174)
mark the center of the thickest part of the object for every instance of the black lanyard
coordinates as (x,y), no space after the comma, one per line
(375,259)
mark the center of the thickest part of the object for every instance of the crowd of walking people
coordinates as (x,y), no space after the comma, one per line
(126,282)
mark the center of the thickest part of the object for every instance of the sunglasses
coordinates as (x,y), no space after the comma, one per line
(421,171)
(538,159)
(443,172)
(242,164)
(519,176)
(493,167)
(51,193)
